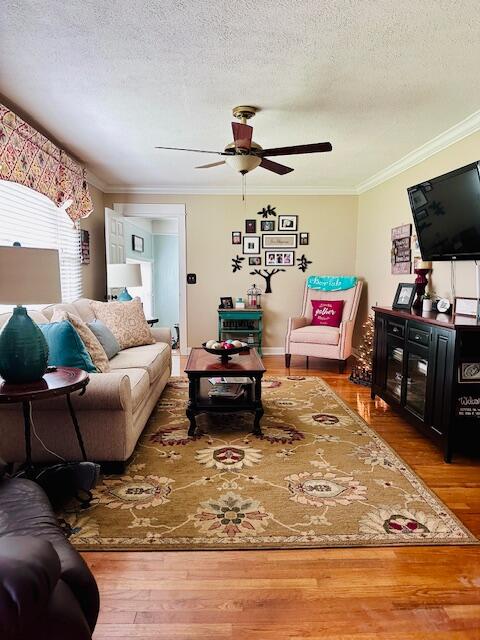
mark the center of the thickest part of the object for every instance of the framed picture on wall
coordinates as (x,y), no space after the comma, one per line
(280,241)
(304,238)
(251,245)
(250,226)
(279,258)
(256,261)
(287,223)
(236,237)
(267,225)
(138,244)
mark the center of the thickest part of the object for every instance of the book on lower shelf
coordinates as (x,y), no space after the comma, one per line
(226,391)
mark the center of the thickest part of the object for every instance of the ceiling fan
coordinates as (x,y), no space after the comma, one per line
(245,155)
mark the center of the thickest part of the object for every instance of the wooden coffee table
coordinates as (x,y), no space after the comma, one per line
(202,365)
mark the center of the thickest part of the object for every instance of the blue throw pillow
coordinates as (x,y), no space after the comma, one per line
(105,337)
(65,347)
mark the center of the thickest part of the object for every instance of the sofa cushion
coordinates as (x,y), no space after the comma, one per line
(105,337)
(316,335)
(62,306)
(154,358)
(89,339)
(126,321)
(65,347)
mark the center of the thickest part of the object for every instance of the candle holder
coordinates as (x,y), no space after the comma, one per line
(421,281)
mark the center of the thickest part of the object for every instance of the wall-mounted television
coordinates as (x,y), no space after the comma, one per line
(446,212)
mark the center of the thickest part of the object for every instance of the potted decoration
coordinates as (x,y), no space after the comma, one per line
(427,302)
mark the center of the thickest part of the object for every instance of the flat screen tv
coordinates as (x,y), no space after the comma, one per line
(446,212)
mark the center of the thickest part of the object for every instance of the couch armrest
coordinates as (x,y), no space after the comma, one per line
(29,572)
(297,323)
(346,336)
(162,334)
(110,390)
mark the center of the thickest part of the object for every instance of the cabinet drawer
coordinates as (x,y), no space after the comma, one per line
(419,336)
(396,328)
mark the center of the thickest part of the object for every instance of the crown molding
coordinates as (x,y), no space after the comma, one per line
(454,134)
(235,191)
(466,127)
(96,182)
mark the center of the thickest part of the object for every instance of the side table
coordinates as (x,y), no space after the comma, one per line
(62,382)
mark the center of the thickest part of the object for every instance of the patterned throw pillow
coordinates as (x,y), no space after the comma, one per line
(91,342)
(126,321)
(327,313)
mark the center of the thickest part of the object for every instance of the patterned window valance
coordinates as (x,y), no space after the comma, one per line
(29,158)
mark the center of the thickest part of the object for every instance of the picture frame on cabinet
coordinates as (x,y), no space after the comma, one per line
(404,296)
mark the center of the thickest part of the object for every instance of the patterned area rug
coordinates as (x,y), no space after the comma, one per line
(318,477)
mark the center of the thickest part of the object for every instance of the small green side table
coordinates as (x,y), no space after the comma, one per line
(241,324)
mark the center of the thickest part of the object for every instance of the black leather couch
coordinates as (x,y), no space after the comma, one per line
(47,591)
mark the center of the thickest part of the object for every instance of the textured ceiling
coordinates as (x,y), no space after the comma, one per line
(112,78)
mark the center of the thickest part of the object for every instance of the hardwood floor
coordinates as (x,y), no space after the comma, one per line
(348,594)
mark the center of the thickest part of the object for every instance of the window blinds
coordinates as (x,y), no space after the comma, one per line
(32,219)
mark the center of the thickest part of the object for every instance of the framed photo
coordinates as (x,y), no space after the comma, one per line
(267,225)
(255,261)
(280,258)
(404,297)
(304,238)
(250,226)
(280,241)
(226,303)
(138,244)
(465,307)
(236,237)
(287,223)
(251,244)
(469,372)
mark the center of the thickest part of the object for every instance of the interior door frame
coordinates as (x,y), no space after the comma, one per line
(157,212)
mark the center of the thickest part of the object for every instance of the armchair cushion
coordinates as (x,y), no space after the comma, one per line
(316,335)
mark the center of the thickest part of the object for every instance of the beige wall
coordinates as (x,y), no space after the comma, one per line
(330,220)
(94,274)
(387,206)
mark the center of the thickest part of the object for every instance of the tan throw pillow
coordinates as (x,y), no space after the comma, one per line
(126,321)
(89,339)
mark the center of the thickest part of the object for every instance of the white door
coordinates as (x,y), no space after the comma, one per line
(114,237)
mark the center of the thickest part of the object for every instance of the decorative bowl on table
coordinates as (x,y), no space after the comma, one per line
(225,349)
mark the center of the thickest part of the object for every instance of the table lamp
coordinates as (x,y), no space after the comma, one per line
(123,276)
(27,276)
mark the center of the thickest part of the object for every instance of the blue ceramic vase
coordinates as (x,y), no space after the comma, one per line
(23,349)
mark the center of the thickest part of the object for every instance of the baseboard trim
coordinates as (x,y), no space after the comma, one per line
(273,351)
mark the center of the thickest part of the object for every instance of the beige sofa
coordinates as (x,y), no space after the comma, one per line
(111,414)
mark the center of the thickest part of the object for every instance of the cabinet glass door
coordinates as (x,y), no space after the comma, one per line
(394,370)
(417,367)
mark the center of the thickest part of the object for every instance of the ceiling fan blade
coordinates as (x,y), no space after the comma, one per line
(218,153)
(242,134)
(281,169)
(318,147)
(212,164)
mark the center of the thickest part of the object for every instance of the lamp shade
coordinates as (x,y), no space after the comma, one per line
(29,276)
(123,275)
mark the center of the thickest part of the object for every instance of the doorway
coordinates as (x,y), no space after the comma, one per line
(163,259)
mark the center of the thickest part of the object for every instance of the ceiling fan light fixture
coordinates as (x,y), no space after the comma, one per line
(243,163)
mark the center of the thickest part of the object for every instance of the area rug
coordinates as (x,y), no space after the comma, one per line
(317,477)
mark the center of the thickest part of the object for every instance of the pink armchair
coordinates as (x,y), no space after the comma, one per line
(304,339)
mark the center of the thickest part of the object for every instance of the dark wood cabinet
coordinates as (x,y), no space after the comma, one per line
(417,363)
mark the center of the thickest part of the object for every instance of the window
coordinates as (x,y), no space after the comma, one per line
(30,218)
